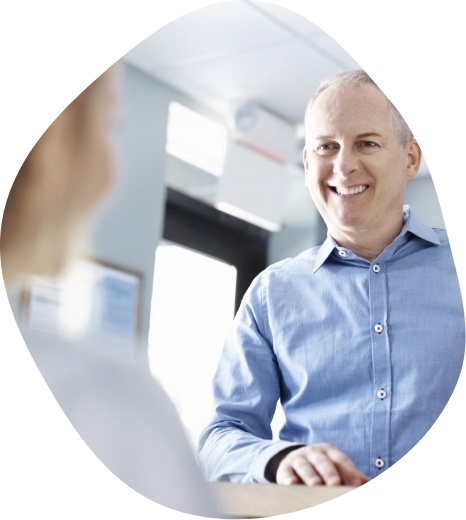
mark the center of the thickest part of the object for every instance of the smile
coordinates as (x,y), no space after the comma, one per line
(354,190)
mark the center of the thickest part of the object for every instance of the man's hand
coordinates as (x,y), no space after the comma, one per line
(318,464)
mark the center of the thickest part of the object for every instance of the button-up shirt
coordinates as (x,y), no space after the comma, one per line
(360,354)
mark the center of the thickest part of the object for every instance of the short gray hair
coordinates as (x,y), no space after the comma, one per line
(359,77)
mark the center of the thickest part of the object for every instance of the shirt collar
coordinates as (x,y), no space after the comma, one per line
(412,224)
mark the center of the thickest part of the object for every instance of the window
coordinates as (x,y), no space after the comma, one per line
(204,265)
(192,308)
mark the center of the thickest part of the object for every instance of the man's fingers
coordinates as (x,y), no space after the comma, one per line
(298,470)
(286,476)
(309,466)
(321,464)
(347,471)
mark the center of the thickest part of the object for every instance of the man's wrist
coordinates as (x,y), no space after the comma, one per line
(271,468)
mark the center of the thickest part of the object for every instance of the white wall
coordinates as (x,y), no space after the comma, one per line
(421,195)
(130,225)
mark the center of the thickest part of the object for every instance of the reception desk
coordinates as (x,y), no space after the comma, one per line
(262,500)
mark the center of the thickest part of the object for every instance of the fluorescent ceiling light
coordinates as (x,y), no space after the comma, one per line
(196,139)
(243,214)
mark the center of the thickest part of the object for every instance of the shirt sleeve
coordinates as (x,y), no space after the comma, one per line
(237,444)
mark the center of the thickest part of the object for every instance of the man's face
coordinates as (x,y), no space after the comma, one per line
(356,170)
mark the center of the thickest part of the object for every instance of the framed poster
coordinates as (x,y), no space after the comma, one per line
(92,300)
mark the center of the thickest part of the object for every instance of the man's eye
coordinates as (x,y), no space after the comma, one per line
(325,148)
(368,144)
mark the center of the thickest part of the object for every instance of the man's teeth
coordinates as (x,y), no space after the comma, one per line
(350,191)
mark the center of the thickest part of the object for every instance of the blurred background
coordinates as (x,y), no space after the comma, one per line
(210,190)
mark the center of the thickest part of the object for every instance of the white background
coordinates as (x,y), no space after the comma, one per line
(51,50)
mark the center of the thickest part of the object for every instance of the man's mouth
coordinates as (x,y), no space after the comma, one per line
(353,190)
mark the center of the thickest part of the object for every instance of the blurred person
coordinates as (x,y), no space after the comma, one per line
(361,339)
(116,406)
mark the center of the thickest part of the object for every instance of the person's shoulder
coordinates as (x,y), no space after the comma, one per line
(89,366)
(109,395)
(292,264)
(441,240)
(440,247)
(442,235)
(430,234)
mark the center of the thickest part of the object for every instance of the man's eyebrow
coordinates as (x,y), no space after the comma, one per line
(359,136)
(368,134)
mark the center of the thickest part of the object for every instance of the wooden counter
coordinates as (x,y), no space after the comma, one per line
(261,500)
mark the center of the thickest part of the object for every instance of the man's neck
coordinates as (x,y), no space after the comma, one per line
(366,244)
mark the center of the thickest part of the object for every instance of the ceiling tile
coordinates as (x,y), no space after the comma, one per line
(211,33)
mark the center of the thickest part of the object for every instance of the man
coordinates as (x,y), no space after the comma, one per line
(362,338)
(117,408)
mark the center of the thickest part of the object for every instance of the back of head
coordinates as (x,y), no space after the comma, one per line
(58,185)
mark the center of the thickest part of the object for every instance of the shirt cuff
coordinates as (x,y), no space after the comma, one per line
(259,465)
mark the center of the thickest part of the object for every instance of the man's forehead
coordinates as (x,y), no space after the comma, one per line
(361,109)
(339,97)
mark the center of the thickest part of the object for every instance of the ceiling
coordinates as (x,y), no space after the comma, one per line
(242,49)
(245,50)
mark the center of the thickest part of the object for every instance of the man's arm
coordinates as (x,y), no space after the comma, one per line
(238,445)
(238,442)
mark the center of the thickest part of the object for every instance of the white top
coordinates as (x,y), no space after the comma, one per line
(127,420)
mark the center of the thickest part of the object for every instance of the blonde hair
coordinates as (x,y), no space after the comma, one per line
(58,185)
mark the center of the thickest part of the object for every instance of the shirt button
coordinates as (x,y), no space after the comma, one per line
(381,394)
(379,463)
(376,268)
(378,328)
(342,252)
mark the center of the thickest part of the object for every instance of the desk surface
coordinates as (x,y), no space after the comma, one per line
(261,500)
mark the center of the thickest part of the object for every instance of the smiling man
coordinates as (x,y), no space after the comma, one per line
(360,339)
(357,167)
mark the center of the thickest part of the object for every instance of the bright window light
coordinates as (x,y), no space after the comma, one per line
(192,309)
(196,139)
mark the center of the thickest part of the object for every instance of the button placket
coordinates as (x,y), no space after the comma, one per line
(380,428)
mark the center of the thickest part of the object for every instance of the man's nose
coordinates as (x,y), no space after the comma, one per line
(345,162)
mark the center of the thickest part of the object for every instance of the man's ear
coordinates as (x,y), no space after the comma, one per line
(413,158)
(305,166)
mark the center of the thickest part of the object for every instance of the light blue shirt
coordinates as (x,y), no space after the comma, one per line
(363,355)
